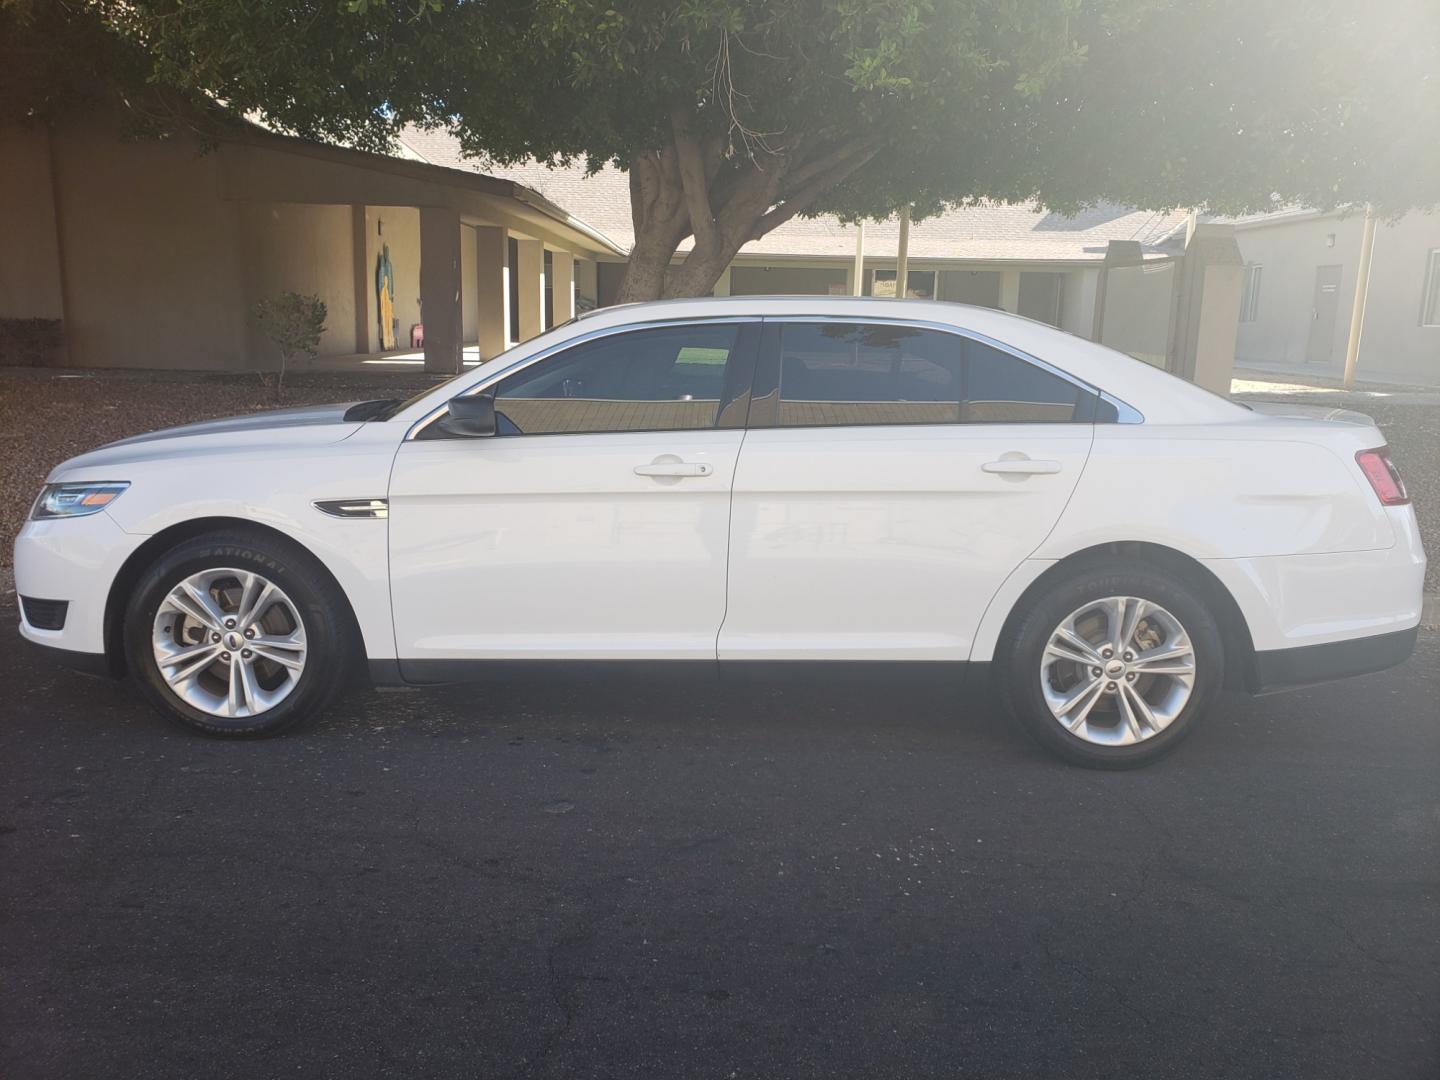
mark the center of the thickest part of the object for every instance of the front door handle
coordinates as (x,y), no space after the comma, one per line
(1021,466)
(675,468)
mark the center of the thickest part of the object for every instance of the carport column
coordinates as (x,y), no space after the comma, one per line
(562,287)
(1207,308)
(530,286)
(492,276)
(1118,255)
(1010,291)
(587,284)
(440,309)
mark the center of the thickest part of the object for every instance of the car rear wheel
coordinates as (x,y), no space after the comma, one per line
(237,635)
(1112,667)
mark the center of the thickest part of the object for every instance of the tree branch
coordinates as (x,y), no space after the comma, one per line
(801,200)
(825,162)
(694,175)
(639,203)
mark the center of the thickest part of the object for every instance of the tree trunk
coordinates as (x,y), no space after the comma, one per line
(644,273)
(689,188)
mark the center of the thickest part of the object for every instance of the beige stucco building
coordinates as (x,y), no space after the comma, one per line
(1023,259)
(1301,270)
(153,253)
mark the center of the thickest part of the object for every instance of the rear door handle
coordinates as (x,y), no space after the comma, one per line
(1021,466)
(675,468)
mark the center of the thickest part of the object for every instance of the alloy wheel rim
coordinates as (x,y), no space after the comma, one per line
(229,642)
(1117,671)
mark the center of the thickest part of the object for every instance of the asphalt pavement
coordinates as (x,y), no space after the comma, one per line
(627,880)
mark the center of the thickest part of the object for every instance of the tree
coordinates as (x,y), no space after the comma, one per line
(295,323)
(732,116)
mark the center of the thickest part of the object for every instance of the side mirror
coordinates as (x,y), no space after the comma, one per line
(471,417)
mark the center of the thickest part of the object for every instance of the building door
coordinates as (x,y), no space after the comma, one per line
(1320,349)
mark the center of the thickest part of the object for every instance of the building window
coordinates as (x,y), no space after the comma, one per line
(920,284)
(547,268)
(1250,293)
(513,300)
(1430,314)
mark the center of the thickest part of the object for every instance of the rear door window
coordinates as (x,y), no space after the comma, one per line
(845,374)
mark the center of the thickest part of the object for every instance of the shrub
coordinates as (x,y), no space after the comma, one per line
(294,322)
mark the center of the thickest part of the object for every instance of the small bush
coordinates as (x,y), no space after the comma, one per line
(295,323)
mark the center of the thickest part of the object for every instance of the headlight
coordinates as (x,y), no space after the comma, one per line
(76,500)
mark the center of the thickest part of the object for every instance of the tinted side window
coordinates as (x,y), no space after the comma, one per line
(1004,389)
(841,373)
(666,379)
(845,374)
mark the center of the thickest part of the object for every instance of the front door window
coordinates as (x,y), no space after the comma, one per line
(664,379)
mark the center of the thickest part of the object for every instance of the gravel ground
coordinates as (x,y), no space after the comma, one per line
(46,418)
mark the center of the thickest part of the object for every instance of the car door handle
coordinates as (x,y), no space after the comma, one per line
(1021,466)
(675,468)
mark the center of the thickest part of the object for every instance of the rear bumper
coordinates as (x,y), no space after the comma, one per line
(1284,669)
(1292,602)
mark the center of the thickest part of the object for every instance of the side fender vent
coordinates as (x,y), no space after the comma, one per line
(354,508)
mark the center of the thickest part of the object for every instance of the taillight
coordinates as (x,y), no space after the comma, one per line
(1384,477)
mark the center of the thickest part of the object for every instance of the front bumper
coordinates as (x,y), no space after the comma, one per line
(73,560)
(88,663)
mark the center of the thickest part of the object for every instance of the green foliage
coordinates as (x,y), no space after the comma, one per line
(1230,105)
(1219,103)
(295,323)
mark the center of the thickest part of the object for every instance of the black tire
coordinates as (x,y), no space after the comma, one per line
(1020,653)
(323,610)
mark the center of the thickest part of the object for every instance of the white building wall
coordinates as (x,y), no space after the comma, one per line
(1077,302)
(1394,345)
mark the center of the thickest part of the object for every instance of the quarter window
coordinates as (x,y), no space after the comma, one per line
(663,379)
(834,374)
(1430,313)
(1250,292)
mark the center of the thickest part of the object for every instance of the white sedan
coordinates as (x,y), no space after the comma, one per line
(745,481)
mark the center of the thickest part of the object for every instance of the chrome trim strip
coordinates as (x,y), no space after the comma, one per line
(1125,413)
(354,508)
(519,365)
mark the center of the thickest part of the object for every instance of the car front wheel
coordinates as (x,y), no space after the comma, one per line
(1112,667)
(236,635)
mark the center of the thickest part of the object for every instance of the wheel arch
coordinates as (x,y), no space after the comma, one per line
(1234,630)
(145,555)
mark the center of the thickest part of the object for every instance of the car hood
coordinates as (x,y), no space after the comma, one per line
(275,430)
(300,416)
